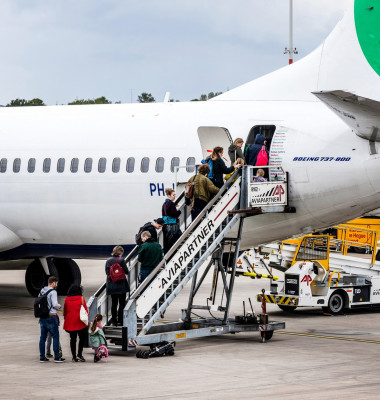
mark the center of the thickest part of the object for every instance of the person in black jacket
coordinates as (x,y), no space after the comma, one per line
(117,290)
(254,149)
(170,215)
(150,227)
(219,168)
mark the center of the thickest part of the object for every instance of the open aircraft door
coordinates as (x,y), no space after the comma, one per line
(212,136)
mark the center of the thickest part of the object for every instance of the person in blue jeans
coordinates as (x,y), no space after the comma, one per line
(50,324)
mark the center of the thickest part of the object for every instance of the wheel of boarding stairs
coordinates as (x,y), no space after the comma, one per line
(268,335)
(68,274)
(335,304)
(35,277)
(286,308)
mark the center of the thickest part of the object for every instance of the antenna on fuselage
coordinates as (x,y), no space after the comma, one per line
(290,50)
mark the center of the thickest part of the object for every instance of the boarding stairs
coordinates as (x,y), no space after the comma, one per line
(218,225)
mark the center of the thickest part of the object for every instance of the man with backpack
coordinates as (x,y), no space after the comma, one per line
(203,190)
(152,228)
(45,308)
(254,150)
(117,284)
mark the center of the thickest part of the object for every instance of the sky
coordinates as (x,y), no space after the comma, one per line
(60,51)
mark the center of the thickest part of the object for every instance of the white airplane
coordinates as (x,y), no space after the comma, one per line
(75,181)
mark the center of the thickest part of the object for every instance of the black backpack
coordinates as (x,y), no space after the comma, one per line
(138,234)
(41,306)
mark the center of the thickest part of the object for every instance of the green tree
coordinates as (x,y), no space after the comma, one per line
(23,103)
(146,98)
(204,97)
(99,100)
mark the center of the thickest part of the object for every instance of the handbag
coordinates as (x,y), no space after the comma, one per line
(83,314)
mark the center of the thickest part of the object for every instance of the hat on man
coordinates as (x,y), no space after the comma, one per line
(160,221)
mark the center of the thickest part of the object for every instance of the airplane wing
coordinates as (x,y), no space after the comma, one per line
(359,113)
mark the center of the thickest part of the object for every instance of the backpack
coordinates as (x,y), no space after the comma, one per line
(262,157)
(210,175)
(41,305)
(102,351)
(189,189)
(138,234)
(117,273)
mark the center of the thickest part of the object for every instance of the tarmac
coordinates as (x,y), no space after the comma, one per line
(315,356)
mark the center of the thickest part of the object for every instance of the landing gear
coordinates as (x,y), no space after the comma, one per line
(36,278)
(68,274)
(65,269)
(157,350)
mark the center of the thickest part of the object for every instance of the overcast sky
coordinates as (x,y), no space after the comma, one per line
(63,50)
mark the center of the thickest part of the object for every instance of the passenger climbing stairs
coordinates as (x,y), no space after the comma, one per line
(216,229)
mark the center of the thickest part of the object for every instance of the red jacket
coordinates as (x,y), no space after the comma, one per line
(71,311)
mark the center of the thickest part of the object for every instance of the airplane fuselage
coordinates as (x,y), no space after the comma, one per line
(332,175)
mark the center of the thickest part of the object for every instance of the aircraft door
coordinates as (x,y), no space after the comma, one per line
(212,136)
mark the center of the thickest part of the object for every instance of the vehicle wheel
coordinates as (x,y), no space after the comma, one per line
(35,277)
(268,335)
(68,273)
(335,304)
(286,308)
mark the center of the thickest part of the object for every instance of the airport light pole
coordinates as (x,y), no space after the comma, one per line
(290,50)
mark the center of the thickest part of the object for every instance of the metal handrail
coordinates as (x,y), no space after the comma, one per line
(132,254)
(175,247)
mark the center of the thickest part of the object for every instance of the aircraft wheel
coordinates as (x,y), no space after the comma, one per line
(286,308)
(35,277)
(68,273)
(335,304)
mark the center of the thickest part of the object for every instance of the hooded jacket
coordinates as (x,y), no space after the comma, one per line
(254,149)
(71,311)
(97,338)
(235,152)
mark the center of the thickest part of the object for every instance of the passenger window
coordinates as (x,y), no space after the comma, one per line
(174,164)
(74,165)
(88,165)
(46,165)
(31,165)
(3,165)
(116,164)
(145,164)
(16,165)
(61,165)
(190,164)
(160,164)
(130,164)
(102,164)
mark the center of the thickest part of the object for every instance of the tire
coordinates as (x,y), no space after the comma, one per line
(268,335)
(68,274)
(35,277)
(335,304)
(286,308)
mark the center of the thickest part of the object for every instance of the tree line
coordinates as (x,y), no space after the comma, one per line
(142,98)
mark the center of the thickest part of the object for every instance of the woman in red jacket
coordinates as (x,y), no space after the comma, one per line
(73,324)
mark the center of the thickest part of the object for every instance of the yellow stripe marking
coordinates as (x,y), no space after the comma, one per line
(329,337)
(15,316)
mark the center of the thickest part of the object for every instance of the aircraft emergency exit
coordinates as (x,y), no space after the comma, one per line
(75,181)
